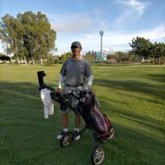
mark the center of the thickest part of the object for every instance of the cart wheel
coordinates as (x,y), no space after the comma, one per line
(67,139)
(98,154)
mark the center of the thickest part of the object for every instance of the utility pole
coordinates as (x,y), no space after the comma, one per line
(101,41)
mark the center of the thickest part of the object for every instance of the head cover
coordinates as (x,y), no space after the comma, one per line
(76,44)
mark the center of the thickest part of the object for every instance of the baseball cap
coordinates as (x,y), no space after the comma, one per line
(76,44)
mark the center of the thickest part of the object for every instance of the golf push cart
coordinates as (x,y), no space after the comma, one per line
(85,104)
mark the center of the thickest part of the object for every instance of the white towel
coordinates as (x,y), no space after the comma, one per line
(47,101)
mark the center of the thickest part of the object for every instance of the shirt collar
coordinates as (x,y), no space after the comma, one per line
(75,60)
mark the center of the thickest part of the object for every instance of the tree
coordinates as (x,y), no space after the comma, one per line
(65,56)
(157,52)
(10,32)
(28,36)
(90,56)
(141,47)
(120,57)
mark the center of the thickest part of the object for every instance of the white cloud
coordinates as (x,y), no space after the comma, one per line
(133,9)
(136,5)
(78,22)
(119,40)
(70,22)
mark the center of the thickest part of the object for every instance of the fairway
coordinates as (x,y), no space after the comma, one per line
(131,95)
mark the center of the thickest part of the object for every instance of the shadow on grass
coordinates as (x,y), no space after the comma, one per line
(15,91)
(144,121)
(157,77)
(26,138)
(133,86)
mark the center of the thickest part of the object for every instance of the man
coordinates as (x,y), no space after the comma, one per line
(73,74)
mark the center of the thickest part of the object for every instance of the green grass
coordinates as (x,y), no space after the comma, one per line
(131,95)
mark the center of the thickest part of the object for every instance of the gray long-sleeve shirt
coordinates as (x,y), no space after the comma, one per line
(75,72)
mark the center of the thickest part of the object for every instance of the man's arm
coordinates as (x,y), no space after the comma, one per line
(62,76)
(90,81)
(89,75)
(60,82)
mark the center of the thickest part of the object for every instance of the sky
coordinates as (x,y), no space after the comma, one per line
(82,20)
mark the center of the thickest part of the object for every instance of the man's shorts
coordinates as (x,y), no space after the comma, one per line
(66,90)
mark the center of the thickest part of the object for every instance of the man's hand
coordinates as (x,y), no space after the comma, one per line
(59,90)
(86,87)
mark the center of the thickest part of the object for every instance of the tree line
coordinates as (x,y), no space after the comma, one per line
(143,50)
(28,37)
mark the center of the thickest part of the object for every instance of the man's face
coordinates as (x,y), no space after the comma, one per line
(76,52)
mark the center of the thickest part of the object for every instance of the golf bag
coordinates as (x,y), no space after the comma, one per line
(96,120)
